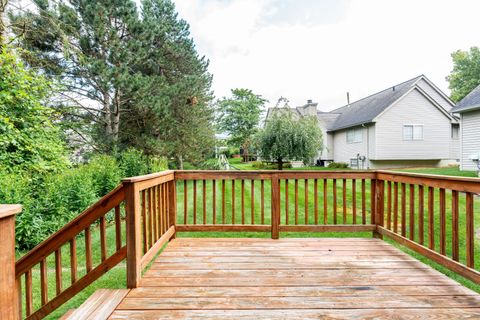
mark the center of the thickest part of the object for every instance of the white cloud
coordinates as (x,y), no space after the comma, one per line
(307,49)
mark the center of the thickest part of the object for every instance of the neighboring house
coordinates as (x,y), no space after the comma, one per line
(469,110)
(408,124)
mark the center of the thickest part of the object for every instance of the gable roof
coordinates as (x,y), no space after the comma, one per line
(470,102)
(366,109)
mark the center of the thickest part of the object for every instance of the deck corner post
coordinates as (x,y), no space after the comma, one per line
(133,234)
(379,206)
(9,294)
(275,207)
(172,205)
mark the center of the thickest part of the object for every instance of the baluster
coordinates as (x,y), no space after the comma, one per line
(354,201)
(344,200)
(43,281)
(372,201)
(364,204)
(58,270)
(296,201)
(204,200)
(194,201)
(103,239)
(160,207)
(404,209)
(28,293)
(334,201)
(185,201)
(389,205)
(442,222)
(431,229)
(455,244)
(243,201)
(421,214)
(306,200)
(233,201)
(73,260)
(325,202)
(411,219)
(470,234)
(214,200)
(223,201)
(146,234)
(262,199)
(252,199)
(286,201)
(315,196)
(88,249)
(395,207)
(118,228)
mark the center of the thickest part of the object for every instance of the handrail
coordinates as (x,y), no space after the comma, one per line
(67,236)
(397,205)
(63,235)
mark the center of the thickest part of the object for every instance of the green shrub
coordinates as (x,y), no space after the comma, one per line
(106,173)
(133,163)
(338,165)
(156,164)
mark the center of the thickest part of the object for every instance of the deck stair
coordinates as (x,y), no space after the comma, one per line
(99,306)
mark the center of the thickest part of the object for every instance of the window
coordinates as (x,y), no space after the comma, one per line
(413,132)
(355,135)
(455,131)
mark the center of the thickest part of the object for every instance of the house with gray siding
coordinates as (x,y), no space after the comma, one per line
(469,111)
(408,124)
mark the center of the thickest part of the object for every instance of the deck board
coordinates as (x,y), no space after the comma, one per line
(343,278)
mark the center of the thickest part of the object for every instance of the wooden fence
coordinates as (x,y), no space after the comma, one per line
(421,212)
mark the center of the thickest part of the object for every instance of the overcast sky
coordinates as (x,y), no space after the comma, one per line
(320,49)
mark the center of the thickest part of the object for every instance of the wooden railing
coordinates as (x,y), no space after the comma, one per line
(152,208)
(50,254)
(414,213)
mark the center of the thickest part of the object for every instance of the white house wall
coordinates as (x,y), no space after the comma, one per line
(470,137)
(440,99)
(343,151)
(414,108)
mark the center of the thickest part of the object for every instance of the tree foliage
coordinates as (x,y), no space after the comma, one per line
(465,75)
(239,115)
(29,139)
(131,75)
(285,138)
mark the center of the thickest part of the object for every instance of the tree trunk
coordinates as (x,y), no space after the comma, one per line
(180,162)
(280,164)
(107,115)
(116,118)
(3,22)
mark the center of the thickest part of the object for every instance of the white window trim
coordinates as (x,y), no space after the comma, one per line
(413,125)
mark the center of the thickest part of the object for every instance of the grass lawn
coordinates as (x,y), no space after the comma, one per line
(116,278)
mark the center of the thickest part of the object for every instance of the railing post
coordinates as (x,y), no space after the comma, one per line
(172,205)
(9,303)
(275,206)
(379,206)
(134,231)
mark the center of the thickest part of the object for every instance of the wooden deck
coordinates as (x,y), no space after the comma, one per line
(341,278)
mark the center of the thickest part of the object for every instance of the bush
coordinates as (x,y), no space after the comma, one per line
(338,165)
(106,173)
(133,163)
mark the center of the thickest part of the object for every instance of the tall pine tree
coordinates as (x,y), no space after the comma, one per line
(131,77)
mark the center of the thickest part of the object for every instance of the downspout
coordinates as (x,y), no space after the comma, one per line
(368,146)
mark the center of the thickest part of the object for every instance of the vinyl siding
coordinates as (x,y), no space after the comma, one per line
(343,151)
(414,108)
(434,94)
(470,138)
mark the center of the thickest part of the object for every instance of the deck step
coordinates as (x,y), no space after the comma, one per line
(67,315)
(98,306)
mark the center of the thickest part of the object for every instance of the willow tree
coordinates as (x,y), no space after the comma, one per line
(285,138)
